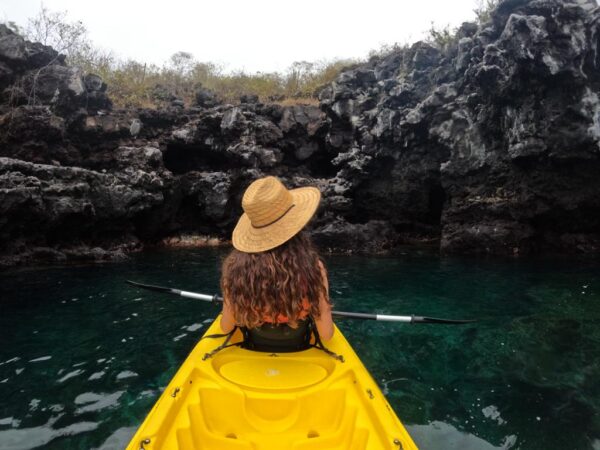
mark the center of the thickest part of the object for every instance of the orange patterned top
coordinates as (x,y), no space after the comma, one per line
(283,319)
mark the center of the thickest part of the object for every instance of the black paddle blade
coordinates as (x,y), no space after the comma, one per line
(151,287)
(421,319)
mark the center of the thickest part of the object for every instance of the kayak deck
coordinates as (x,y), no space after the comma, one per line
(241,399)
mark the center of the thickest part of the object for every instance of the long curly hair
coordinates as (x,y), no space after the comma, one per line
(264,286)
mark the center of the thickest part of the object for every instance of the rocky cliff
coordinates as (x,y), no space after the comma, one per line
(487,143)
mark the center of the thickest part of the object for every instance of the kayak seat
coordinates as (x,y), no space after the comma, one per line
(279,338)
(273,338)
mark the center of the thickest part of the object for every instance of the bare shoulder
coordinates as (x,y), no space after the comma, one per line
(323,271)
(321,265)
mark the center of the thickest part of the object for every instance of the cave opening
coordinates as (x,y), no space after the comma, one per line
(181,159)
(318,161)
(437,198)
(320,166)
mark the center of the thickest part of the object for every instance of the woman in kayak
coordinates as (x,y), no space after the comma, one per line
(274,284)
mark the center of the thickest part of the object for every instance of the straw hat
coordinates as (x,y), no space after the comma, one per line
(273,214)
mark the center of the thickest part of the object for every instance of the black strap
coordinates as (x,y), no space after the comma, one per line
(218,335)
(225,343)
(319,344)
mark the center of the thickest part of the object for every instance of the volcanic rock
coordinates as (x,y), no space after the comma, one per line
(487,143)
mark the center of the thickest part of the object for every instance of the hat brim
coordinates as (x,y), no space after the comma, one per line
(249,239)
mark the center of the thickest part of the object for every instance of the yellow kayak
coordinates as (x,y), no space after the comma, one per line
(242,399)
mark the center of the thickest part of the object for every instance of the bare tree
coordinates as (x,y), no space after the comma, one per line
(182,63)
(483,9)
(53,29)
(298,75)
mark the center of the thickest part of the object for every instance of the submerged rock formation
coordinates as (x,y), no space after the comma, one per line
(488,144)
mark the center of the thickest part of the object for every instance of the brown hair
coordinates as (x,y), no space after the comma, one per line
(274,282)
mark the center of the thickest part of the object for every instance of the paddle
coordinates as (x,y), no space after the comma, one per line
(353,315)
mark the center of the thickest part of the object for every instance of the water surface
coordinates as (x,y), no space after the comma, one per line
(84,356)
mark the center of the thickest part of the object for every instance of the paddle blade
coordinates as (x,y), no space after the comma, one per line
(422,319)
(151,287)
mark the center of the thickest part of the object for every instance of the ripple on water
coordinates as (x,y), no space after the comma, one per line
(11,360)
(96,375)
(385,384)
(72,374)
(439,434)
(34,403)
(29,438)
(146,394)
(194,327)
(491,412)
(119,439)
(10,421)
(96,402)
(40,359)
(126,374)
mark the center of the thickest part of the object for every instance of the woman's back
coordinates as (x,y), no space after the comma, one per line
(280,286)
(274,274)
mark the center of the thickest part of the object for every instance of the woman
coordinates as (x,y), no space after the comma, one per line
(273,282)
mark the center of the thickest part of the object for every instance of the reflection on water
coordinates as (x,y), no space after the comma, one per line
(442,435)
(119,439)
(84,356)
(95,402)
(27,438)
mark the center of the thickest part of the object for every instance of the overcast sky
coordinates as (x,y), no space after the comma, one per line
(254,35)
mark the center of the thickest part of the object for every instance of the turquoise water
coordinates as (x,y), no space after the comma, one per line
(84,356)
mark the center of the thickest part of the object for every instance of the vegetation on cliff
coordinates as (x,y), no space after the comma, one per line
(133,83)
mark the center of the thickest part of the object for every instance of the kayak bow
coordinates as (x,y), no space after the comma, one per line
(241,399)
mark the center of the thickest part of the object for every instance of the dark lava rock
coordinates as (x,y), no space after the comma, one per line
(45,206)
(249,98)
(206,98)
(34,74)
(491,143)
(338,235)
(21,55)
(488,145)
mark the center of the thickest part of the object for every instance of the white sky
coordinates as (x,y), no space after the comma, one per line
(254,35)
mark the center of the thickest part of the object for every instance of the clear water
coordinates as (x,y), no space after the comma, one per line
(83,356)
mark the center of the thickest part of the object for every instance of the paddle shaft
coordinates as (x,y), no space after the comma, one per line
(353,315)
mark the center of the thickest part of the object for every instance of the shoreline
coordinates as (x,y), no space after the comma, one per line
(45,257)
